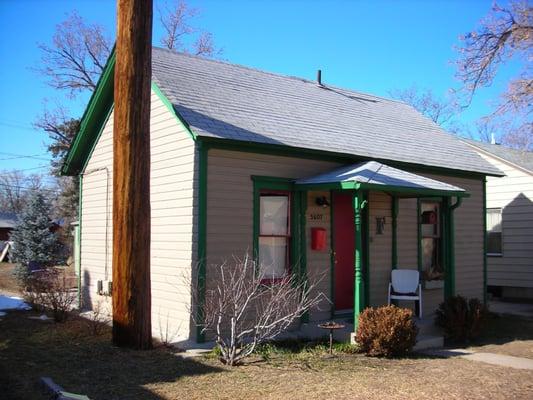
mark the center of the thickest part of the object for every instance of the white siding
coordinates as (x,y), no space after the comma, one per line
(173,208)
(512,193)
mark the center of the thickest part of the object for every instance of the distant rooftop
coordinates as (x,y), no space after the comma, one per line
(521,158)
(8,219)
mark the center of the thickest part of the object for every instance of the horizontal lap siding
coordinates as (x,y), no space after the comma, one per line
(380,248)
(230,207)
(512,193)
(173,207)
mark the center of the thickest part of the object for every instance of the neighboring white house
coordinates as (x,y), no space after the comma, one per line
(509,221)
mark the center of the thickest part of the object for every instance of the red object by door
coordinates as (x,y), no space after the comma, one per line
(318,239)
(344,239)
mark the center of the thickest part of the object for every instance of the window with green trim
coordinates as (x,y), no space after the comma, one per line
(274,234)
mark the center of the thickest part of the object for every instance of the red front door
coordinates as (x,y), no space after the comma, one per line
(343,247)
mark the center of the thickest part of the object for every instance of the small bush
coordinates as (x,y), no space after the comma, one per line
(386,331)
(462,320)
(48,289)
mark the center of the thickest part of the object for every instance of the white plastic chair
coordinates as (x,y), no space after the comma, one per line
(405,285)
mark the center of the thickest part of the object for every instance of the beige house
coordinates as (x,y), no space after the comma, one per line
(309,178)
(509,221)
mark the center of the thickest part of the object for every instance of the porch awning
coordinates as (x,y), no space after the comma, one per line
(377,176)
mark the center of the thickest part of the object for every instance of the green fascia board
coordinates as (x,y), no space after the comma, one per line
(172,110)
(98,107)
(400,190)
(414,192)
(300,152)
(96,115)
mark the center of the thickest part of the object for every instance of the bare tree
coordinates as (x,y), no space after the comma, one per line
(504,34)
(241,311)
(176,19)
(438,110)
(77,56)
(15,189)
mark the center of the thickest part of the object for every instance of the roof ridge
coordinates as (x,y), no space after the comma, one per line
(278,75)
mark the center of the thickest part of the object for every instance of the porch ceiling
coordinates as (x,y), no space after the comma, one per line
(373,175)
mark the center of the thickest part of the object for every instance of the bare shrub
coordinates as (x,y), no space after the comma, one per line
(166,335)
(244,309)
(97,320)
(462,320)
(387,331)
(49,289)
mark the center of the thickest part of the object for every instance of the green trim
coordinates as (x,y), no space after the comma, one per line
(202,237)
(394,214)
(300,152)
(359,286)
(450,291)
(446,238)
(172,110)
(303,244)
(332,252)
(366,251)
(98,136)
(419,235)
(399,190)
(485,277)
(98,107)
(78,239)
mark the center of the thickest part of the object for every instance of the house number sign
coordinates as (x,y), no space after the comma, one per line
(317,215)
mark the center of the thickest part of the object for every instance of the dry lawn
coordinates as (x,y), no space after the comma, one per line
(90,365)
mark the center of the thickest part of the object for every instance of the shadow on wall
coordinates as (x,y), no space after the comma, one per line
(515,234)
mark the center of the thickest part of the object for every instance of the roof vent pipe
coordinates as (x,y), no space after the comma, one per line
(319,77)
(492,138)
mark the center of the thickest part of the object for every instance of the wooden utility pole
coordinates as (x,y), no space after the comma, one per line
(132,325)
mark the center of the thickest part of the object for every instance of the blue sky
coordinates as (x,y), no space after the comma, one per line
(370,46)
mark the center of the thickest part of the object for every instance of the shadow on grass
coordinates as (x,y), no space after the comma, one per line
(81,362)
(498,330)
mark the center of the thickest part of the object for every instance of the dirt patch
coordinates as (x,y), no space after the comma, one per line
(88,364)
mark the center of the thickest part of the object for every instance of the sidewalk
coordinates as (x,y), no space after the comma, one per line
(489,358)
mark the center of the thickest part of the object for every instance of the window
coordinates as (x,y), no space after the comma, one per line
(430,230)
(494,231)
(274,234)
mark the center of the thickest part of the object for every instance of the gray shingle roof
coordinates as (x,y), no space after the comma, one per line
(375,173)
(223,100)
(521,158)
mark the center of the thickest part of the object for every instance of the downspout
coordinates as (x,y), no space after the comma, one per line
(78,239)
(450,288)
(484,240)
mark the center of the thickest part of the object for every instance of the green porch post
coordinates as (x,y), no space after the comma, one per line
(394,212)
(359,295)
(449,282)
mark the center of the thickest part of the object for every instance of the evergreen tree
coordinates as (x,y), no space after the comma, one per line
(33,241)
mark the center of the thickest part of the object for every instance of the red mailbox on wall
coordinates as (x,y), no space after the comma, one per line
(318,239)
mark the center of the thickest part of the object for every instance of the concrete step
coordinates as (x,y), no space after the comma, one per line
(426,326)
(428,342)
